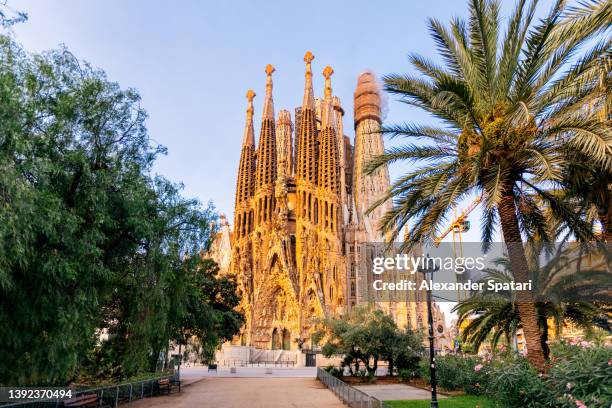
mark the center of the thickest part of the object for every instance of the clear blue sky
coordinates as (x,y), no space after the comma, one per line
(193,61)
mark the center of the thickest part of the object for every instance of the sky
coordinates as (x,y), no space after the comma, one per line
(193,61)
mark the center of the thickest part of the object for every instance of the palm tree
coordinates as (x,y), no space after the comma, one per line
(494,315)
(507,105)
(587,183)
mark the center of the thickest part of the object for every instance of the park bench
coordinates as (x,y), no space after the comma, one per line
(212,367)
(166,385)
(84,400)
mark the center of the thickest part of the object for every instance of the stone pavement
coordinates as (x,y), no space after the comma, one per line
(250,392)
(389,392)
(189,373)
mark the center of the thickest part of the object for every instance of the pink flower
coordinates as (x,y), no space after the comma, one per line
(478,367)
(585,344)
(610,362)
(580,404)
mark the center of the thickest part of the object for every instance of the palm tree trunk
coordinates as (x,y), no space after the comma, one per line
(605,218)
(518,263)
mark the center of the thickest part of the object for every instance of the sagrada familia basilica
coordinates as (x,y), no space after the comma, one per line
(300,219)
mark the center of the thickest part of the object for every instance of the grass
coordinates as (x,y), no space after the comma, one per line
(463,401)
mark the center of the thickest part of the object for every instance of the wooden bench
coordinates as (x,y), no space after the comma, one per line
(212,367)
(85,400)
(166,385)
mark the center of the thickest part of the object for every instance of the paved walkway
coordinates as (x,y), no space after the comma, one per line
(389,392)
(200,372)
(269,392)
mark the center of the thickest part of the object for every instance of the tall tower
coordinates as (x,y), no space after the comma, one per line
(369,143)
(244,222)
(312,297)
(328,208)
(265,175)
(284,143)
(245,185)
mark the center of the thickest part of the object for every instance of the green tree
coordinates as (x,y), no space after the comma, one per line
(206,311)
(90,241)
(366,336)
(509,105)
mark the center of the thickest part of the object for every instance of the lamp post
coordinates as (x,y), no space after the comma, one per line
(428,274)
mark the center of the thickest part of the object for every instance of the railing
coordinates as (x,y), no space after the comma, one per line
(109,396)
(349,395)
(242,363)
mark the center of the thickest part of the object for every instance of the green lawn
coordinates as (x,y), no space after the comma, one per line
(463,401)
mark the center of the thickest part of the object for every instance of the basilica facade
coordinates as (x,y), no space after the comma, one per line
(300,217)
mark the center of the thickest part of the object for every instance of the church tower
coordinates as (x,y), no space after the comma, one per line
(328,209)
(245,185)
(265,175)
(369,143)
(312,296)
(241,249)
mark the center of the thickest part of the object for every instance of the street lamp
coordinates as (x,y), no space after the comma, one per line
(428,273)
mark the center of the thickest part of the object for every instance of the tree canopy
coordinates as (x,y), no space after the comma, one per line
(91,242)
(366,336)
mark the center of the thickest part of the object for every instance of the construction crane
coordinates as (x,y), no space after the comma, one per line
(459,225)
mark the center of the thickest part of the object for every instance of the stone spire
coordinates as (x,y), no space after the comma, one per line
(249,134)
(308,101)
(245,184)
(306,169)
(327,111)
(327,73)
(328,166)
(266,158)
(328,148)
(268,109)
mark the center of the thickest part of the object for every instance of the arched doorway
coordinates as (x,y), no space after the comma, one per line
(286,339)
(276,339)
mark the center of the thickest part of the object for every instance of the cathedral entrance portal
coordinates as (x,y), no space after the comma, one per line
(286,339)
(276,340)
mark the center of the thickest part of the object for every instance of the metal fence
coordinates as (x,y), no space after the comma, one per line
(109,396)
(242,363)
(349,395)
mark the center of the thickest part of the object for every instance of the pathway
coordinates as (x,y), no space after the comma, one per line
(268,392)
(389,392)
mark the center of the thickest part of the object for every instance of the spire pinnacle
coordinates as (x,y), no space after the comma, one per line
(327,73)
(308,101)
(249,138)
(250,95)
(268,110)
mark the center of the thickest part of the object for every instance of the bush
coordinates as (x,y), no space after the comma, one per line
(583,371)
(335,371)
(406,374)
(455,372)
(514,383)
(579,376)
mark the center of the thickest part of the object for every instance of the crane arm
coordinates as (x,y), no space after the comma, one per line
(460,218)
